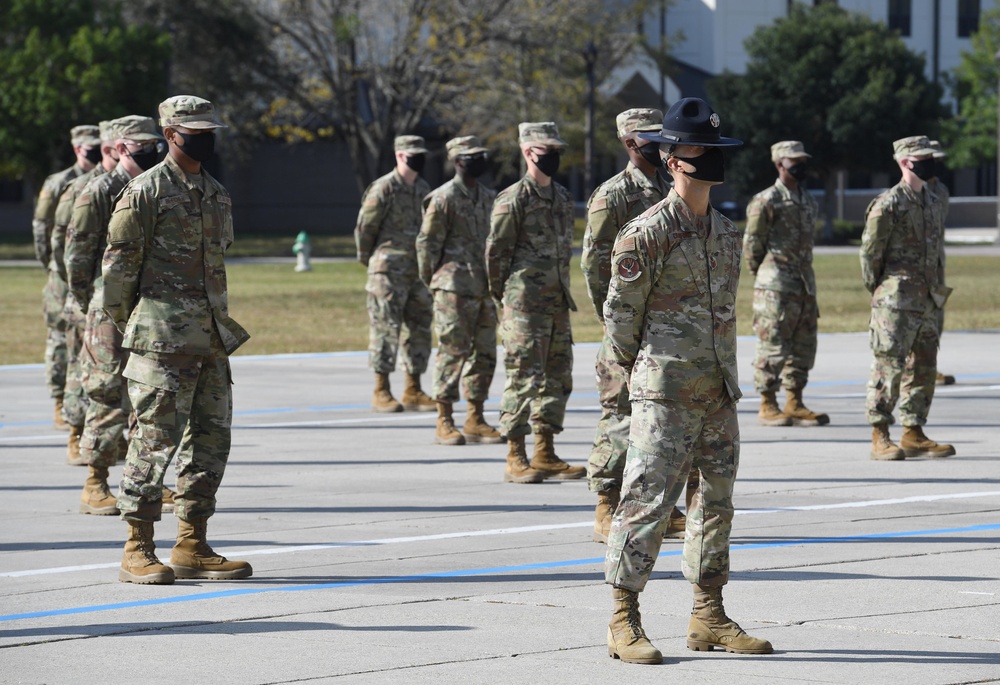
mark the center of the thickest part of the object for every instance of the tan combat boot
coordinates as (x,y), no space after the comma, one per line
(545,460)
(415,399)
(916,444)
(476,429)
(96,497)
(769,414)
(944,379)
(884,449)
(709,626)
(73,457)
(518,470)
(799,413)
(382,401)
(167,500)
(446,433)
(140,565)
(57,418)
(626,638)
(192,557)
(676,525)
(607,502)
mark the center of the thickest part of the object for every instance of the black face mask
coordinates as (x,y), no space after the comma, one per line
(651,153)
(923,168)
(798,171)
(93,155)
(474,166)
(200,147)
(548,163)
(416,162)
(709,166)
(146,158)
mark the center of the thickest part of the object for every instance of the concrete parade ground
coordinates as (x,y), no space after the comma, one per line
(380,557)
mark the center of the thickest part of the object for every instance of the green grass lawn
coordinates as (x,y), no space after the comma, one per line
(324,310)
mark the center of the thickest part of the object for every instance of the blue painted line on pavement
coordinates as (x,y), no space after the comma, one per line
(461,573)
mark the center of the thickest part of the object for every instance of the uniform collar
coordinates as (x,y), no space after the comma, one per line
(642,180)
(470,193)
(182,178)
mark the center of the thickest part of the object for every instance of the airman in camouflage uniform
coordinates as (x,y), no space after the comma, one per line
(74,398)
(778,248)
(938,187)
(450,251)
(86,146)
(670,318)
(902,263)
(614,203)
(527,263)
(400,307)
(103,442)
(165,289)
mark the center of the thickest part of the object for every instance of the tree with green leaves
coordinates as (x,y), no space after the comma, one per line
(840,82)
(971,137)
(69,62)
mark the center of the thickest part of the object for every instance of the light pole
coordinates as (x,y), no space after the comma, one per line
(997,58)
(590,57)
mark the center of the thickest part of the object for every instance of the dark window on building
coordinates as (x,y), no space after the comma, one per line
(968,17)
(11,191)
(900,16)
(817,3)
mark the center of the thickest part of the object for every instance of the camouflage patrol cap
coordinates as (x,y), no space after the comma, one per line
(411,145)
(939,152)
(107,131)
(137,128)
(541,132)
(86,134)
(640,119)
(914,146)
(188,111)
(788,148)
(464,145)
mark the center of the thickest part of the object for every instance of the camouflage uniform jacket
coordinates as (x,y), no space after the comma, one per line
(64,218)
(902,250)
(671,307)
(88,237)
(452,240)
(778,245)
(529,248)
(164,269)
(45,210)
(941,190)
(617,201)
(388,224)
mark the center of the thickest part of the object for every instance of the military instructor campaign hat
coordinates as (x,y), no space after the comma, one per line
(939,152)
(411,145)
(540,132)
(137,128)
(793,149)
(691,121)
(914,146)
(188,111)
(464,145)
(640,119)
(86,134)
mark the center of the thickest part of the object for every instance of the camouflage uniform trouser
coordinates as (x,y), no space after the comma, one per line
(786,328)
(53,303)
(607,457)
(180,401)
(466,328)
(666,441)
(905,346)
(400,309)
(102,361)
(74,397)
(538,359)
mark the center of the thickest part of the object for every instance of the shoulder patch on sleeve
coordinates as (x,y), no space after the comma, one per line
(83,200)
(599,204)
(625,245)
(501,209)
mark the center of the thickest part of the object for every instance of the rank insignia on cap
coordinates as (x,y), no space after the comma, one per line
(714,120)
(628,269)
